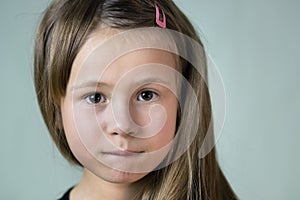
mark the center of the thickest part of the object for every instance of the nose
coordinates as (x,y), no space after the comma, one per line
(116,119)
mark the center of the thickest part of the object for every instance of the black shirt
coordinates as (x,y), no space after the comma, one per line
(66,196)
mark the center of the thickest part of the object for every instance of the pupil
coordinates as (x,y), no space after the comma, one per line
(96,98)
(147,95)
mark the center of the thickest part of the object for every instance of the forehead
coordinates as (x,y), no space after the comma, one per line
(106,56)
(144,58)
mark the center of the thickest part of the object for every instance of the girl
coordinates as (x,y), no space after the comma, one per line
(120,90)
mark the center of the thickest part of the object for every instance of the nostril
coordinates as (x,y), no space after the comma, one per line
(122,133)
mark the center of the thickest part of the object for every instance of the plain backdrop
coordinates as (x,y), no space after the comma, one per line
(255,45)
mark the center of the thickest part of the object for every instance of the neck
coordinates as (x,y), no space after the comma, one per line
(92,187)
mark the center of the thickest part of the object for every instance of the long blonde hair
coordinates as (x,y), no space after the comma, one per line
(63,30)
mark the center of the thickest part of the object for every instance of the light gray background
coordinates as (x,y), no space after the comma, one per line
(256,46)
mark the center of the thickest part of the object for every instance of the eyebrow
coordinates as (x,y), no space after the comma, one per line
(94,84)
(91,84)
(152,80)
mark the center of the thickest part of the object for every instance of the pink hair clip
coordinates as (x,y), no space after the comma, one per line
(163,23)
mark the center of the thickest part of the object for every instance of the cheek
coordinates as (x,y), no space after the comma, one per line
(83,129)
(167,133)
(79,135)
(71,131)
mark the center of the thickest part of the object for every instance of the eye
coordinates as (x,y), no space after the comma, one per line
(95,98)
(147,95)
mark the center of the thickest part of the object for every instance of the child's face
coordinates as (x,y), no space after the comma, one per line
(119,115)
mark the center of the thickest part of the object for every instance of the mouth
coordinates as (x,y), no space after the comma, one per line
(123,153)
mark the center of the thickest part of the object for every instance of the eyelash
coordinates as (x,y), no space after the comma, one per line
(93,95)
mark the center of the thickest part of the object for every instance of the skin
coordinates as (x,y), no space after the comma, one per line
(117,151)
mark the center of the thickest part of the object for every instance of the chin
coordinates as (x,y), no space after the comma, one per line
(111,175)
(115,176)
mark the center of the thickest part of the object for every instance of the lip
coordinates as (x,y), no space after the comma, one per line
(123,153)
